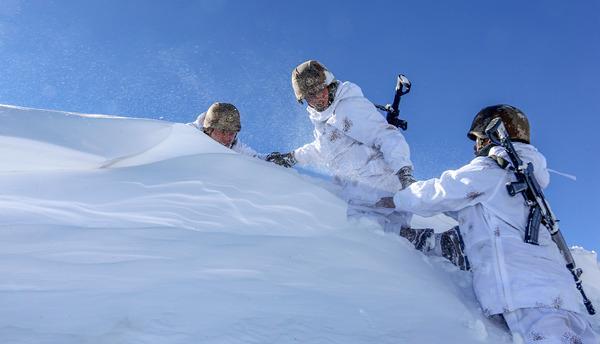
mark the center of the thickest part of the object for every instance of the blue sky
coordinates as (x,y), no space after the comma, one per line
(172,59)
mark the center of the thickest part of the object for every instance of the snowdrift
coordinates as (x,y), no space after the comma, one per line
(122,230)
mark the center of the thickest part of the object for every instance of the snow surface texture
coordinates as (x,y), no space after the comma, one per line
(121,230)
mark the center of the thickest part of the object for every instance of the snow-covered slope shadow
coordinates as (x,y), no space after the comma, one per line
(119,230)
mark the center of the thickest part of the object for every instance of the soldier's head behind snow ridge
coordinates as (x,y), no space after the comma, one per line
(314,83)
(222,123)
(515,121)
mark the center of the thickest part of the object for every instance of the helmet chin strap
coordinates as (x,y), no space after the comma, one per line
(233,142)
(332,88)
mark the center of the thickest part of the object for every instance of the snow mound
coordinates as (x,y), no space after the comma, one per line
(36,140)
(122,230)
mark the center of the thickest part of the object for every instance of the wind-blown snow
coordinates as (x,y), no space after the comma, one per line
(120,230)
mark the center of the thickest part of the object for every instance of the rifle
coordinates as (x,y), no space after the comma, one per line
(392,112)
(540,212)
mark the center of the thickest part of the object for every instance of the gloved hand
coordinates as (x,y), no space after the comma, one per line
(405,176)
(386,202)
(282,159)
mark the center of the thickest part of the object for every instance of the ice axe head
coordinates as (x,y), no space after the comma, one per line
(496,131)
(403,84)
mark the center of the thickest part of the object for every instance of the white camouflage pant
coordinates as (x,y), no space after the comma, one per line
(549,326)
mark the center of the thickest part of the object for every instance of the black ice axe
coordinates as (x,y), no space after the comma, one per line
(392,112)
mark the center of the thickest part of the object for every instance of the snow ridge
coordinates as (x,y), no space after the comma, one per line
(122,230)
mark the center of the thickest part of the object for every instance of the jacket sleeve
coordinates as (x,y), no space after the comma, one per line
(358,118)
(307,154)
(454,190)
(244,149)
(542,175)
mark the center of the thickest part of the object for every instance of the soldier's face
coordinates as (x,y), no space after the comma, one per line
(224,137)
(319,101)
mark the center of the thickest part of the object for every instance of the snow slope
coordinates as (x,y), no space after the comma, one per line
(121,230)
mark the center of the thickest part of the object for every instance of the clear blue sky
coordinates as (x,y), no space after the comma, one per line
(172,59)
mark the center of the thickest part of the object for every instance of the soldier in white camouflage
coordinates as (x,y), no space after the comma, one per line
(222,123)
(367,156)
(526,285)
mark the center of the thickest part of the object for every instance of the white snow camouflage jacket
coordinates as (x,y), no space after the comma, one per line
(508,273)
(355,143)
(238,146)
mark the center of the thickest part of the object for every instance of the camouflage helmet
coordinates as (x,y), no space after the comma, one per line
(309,78)
(515,121)
(222,116)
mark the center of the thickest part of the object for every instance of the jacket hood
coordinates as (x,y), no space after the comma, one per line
(345,90)
(527,153)
(199,122)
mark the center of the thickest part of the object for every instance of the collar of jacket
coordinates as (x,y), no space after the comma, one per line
(527,153)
